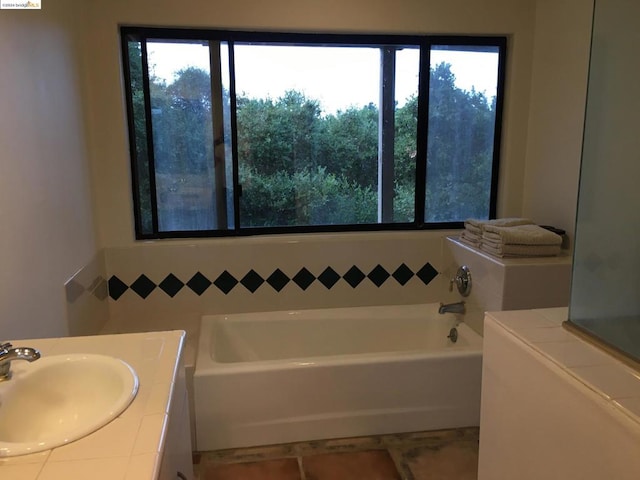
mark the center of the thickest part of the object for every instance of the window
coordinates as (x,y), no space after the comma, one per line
(235,133)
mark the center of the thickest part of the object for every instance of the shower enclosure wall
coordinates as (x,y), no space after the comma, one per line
(605,292)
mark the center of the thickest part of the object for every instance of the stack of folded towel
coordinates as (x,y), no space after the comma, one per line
(473,229)
(511,237)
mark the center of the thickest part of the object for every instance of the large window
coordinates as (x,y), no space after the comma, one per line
(236,133)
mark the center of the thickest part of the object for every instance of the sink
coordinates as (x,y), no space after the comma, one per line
(58,399)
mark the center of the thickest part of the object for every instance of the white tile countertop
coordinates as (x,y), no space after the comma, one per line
(129,447)
(541,329)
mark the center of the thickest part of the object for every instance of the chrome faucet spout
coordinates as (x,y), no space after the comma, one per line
(9,354)
(457,307)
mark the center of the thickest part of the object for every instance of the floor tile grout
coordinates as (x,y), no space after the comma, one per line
(405,452)
(303,476)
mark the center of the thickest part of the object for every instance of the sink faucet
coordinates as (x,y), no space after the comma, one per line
(8,354)
(457,307)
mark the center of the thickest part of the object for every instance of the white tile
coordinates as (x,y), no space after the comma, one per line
(39,457)
(556,315)
(21,472)
(612,380)
(150,435)
(143,467)
(158,401)
(151,398)
(520,319)
(116,439)
(541,335)
(93,469)
(574,354)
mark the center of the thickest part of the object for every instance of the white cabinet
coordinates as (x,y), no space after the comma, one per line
(177,463)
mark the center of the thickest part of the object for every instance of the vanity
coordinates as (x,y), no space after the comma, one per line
(150,439)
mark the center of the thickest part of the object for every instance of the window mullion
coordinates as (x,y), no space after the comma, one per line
(217,113)
(422,133)
(237,188)
(149,127)
(386,134)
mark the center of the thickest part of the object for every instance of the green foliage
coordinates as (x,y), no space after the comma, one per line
(459,150)
(298,167)
(349,145)
(306,197)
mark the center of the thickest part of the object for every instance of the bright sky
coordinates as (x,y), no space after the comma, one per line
(338,77)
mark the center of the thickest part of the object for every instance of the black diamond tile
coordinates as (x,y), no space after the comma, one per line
(427,273)
(304,278)
(199,283)
(378,275)
(354,276)
(252,281)
(116,287)
(278,280)
(225,282)
(329,277)
(403,274)
(143,286)
(171,285)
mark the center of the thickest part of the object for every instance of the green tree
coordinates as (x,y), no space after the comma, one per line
(298,167)
(459,150)
(278,136)
(350,145)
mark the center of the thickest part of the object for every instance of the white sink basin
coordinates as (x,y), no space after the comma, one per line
(59,399)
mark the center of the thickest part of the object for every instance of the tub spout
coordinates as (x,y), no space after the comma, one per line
(457,307)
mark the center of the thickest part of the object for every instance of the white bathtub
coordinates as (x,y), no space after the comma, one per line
(276,377)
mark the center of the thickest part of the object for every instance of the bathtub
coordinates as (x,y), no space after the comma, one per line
(277,377)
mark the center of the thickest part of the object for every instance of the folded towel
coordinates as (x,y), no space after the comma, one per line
(520,235)
(521,250)
(470,238)
(471,228)
(477,226)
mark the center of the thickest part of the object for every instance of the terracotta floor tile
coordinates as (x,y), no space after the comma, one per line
(367,465)
(456,461)
(281,469)
(353,444)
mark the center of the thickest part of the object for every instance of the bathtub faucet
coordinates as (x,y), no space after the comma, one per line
(457,307)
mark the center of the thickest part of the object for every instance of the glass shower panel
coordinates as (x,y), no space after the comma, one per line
(605,292)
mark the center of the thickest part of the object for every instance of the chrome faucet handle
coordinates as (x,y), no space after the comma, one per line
(5,346)
(462,280)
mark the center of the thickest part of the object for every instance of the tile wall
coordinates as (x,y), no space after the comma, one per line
(169,285)
(87,298)
(510,283)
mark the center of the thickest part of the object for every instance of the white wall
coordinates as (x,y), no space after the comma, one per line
(110,157)
(45,201)
(556,111)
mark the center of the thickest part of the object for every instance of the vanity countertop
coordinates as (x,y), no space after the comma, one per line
(129,447)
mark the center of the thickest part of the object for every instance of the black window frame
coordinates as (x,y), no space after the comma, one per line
(424,42)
